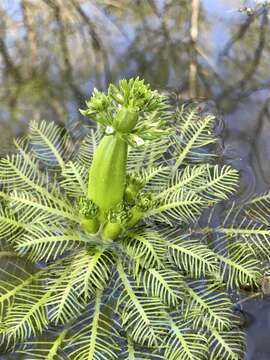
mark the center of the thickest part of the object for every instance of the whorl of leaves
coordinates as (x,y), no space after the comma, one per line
(161,291)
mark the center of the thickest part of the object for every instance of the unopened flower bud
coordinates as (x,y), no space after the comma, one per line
(88,208)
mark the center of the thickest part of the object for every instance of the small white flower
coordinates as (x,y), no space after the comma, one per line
(138,140)
(119,97)
(109,130)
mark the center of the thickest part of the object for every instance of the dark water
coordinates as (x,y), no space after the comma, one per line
(53,53)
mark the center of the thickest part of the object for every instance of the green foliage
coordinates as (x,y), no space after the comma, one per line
(161,288)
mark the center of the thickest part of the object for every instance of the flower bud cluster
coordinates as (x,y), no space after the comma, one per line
(88,208)
(119,214)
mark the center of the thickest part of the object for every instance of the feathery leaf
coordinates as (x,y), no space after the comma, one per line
(29,207)
(192,257)
(208,306)
(93,338)
(146,248)
(75,180)
(184,343)
(258,208)
(227,345)
(165,284)
(134,353)
(194,133)
(155,178)
(177,206)
(50,143)
(147,154)
(64,302)
(47,244)
(143,317)
(48,346)
(87,148)
(91,270)
(238,267)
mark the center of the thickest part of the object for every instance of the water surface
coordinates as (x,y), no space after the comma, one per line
(214,51)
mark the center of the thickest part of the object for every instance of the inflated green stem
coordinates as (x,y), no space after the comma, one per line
(90,225)
(125,120)
(107,177)
(111,231)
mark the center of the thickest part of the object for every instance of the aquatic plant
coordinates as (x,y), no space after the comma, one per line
(109,249)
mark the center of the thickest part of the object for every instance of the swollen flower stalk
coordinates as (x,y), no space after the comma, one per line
(107,176)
